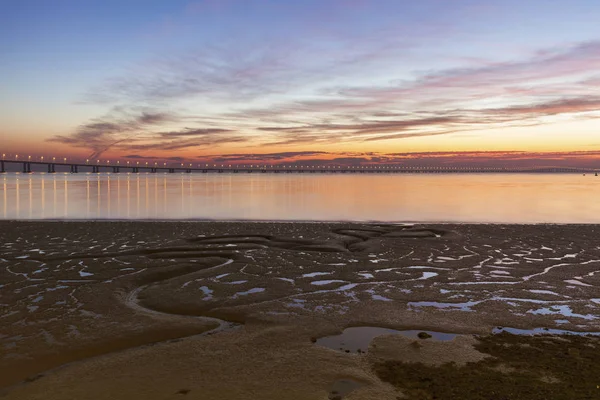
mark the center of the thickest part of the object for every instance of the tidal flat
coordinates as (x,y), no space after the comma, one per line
(236,310)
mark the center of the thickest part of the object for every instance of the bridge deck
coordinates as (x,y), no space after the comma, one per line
(116,168)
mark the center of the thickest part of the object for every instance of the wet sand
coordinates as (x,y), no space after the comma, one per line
(231,310)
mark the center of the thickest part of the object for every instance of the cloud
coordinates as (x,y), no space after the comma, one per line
(140,157)
(473,83)
(265,157)
(130,129)
(194,132)
(482,95)
(561,106)
(116,127)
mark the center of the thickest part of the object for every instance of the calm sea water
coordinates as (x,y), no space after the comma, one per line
(511,198)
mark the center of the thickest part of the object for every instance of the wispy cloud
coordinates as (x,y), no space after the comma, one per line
(118,126)
(132,130)
(266,157)
(194,132)
(485,95)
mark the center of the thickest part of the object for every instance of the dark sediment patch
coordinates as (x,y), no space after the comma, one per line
(521,367)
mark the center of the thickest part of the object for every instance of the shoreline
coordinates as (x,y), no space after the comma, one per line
(316,222)
(68,288)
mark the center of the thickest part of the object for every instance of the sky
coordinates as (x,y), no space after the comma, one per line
(353,82)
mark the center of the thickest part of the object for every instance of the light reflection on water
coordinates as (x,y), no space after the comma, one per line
(386,197)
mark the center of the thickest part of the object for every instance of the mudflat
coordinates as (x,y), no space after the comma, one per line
(239,310)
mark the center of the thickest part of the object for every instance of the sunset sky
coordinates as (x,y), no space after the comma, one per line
(444,82)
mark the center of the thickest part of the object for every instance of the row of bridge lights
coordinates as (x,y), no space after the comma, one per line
(29,158)
(87,161)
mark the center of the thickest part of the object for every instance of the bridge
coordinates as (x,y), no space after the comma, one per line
(135,167)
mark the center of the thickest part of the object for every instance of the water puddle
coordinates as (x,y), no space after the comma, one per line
(251,291)
(427,275)
(342,387)
(542,331)
(313,274)
(326,282)
(379,298)
(564,310)
(207,292)
(357,339)
(453,306)
(366,275)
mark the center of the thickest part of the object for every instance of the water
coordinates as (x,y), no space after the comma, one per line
(357,339)
(512,198)
(542,331)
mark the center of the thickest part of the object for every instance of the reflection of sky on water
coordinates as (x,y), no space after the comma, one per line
(454,197)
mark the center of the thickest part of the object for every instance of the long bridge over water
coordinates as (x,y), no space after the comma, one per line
(25,166)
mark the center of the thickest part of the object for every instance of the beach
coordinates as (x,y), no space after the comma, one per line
(233,310)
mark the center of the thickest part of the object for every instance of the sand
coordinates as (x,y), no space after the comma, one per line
(230,310)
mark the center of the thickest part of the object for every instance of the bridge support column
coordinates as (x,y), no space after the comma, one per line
(171,170)
(26,168)
(74,169)
(188,171)
(116,170)
(135,170)
(153,170)
(2,170)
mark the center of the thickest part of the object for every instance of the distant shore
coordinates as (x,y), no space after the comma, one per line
(243,302)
